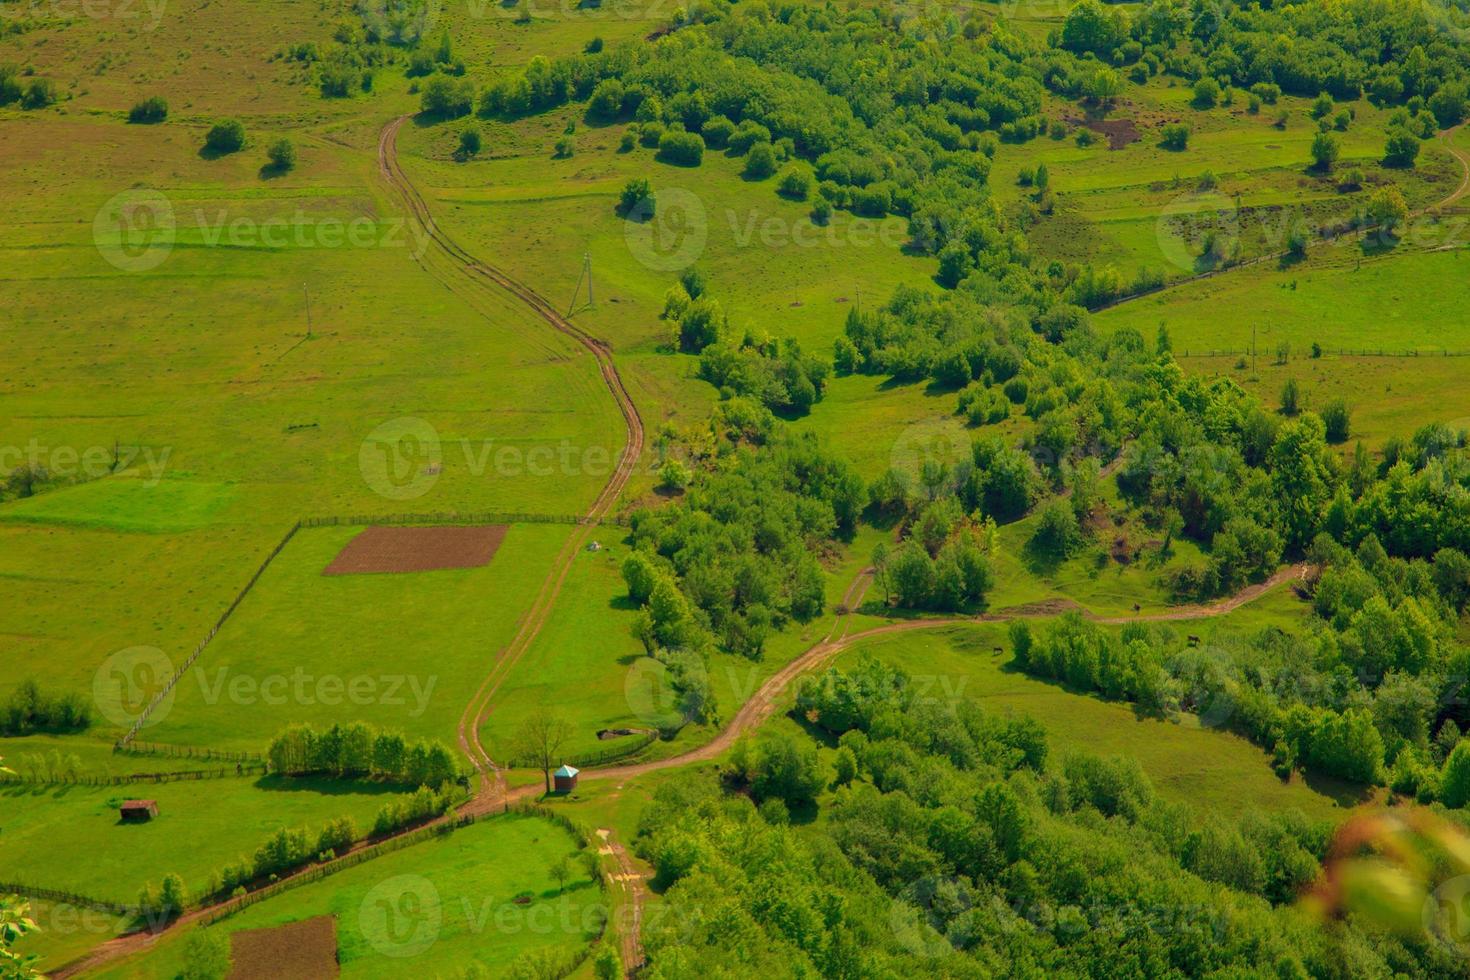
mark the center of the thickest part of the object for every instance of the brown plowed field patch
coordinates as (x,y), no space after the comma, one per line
(417,549)
(305,950)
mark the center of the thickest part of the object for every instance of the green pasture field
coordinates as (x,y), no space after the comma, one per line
(70,838)
(770,268)
(417,643)
(1404,301)
(465,885)
(1389,396)
(1140,206)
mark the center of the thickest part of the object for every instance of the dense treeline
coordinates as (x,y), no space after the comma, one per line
(360,750)
(29,709)
(953,845)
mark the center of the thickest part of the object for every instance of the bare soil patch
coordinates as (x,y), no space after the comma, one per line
(1120,132)
(305,950)
(417,549)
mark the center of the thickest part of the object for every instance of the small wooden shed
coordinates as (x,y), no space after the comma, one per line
(138,811)
(565,779)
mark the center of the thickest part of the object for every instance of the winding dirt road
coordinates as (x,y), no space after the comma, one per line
(445,259)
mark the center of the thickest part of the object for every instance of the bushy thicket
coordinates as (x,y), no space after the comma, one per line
(29,710)
(735,558)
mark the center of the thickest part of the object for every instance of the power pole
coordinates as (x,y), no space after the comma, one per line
(1254,376)
(305,289)
(584,275)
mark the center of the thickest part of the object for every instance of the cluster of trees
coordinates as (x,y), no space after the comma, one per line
(952,844)
(360,750)
(775,373)
(29,710)
(735,558)
(942,564)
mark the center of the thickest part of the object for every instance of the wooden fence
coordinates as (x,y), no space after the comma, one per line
(69,898)
(593,759)
(219,623)
(182,775)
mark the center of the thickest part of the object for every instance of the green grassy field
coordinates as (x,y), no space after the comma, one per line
(467,884)
(201,827)
(414,644)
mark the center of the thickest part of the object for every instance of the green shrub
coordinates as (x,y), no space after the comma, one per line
(151,110)
(1174,136)
(760,163)
(682,148)
(282,155)
(227,136)
(795,183)
(39,94)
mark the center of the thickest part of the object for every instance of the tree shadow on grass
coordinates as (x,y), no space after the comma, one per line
(1340,791)
(326,786)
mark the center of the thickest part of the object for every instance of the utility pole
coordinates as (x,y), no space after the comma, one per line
(1254,376)
(586,274)
(305,289)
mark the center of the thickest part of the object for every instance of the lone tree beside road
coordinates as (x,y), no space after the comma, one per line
(540,740)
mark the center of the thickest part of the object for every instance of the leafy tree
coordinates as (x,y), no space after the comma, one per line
(760,162)
(539,740)
(282,155)
(680,147)
(789,770)
(635,192)
(1325,150)
(206,954)
(469,142)
(1401,148)
(1336,420)
(15,924)
(1454,784)
(1387,209)
(1174,136)
(227,136)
